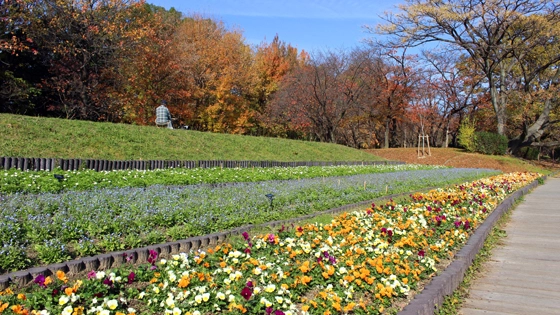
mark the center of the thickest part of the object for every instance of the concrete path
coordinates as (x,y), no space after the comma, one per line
(523,275)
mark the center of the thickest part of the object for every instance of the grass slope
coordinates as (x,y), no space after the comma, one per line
(24,136)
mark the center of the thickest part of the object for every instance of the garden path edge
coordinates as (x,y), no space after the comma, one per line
(433,295)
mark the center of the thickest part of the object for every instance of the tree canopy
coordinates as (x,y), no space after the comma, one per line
(495,62)
(501,39)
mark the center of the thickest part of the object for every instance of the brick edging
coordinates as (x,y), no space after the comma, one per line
(444,284)
(50,164)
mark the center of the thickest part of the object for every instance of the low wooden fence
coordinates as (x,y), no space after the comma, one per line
(50,164)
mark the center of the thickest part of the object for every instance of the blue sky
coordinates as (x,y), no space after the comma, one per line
(310,25)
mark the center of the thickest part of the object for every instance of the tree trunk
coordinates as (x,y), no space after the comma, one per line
(446,143)
(387,133)
(498,102)
(534,132)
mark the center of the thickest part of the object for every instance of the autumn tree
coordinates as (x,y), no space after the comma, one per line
(491,33)
(147,69)
(214,64)
(384,84)
(273,61)
(447,91)
(363,128)
(20,66)
(79,41)
(391,79)
(534,82)
(318,97)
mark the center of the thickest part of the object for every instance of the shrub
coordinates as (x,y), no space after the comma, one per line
(490,143)
(466,136)
(529,153)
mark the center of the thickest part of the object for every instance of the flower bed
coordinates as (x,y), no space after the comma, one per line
(360,263)
(52,228)
(15,181)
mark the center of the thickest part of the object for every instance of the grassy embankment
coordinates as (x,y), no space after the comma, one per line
(24,136)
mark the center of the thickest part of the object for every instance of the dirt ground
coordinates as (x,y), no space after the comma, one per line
(459,158)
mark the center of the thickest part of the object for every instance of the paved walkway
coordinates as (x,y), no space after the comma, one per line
(523,275)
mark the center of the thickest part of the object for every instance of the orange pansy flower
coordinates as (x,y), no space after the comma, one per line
(68,291)
(305,266)
(337,307)
(349,307)
(61,276)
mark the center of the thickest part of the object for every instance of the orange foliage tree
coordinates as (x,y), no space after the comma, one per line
(148,71)
(273,61)
(79,40)
(214,65)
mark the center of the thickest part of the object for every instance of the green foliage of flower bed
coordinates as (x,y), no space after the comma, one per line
(74,224)
(14,181)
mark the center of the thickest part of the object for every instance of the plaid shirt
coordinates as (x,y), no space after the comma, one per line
(162,115)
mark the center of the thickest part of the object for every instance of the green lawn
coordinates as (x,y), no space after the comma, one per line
(25,136)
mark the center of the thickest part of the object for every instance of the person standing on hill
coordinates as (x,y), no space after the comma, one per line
(163,116)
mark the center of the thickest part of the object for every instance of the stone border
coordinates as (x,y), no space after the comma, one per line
(49,164)
(444,284)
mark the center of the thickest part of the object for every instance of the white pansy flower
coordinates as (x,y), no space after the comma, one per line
(112,304)
(74,297)
(270,288)
(266,302)
(100,275)
(68,310)
(63,300)
(235,254)
(206,297)
(171,275)
(170,301)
